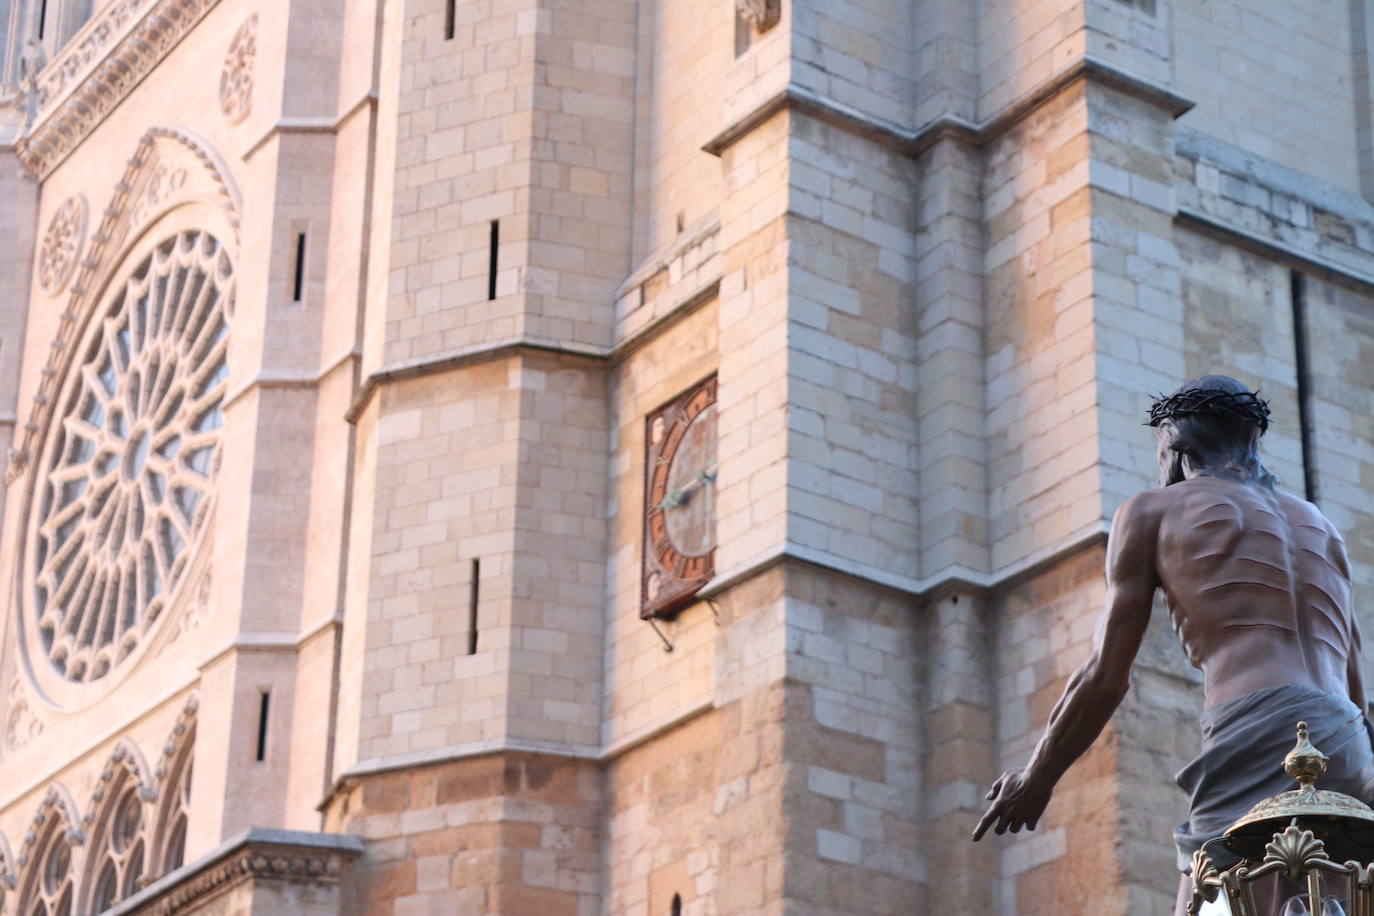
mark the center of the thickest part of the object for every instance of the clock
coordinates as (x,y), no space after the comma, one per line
(679,500)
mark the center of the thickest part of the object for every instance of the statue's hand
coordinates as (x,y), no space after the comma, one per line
(1016,803)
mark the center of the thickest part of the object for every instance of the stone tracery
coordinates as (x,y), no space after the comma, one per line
(137,830)
(128,469)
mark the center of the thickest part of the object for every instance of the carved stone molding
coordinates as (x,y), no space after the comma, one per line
(61,249)
(762,14)
(257,855)
(236,81)
(77,89)
(177,739)
(57,803)
(9,869)
(128,757)
(168,167)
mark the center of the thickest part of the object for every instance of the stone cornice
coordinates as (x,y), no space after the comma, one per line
(254,855)
(96,71)
(914,142)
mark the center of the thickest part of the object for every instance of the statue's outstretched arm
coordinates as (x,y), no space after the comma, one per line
(1098,686)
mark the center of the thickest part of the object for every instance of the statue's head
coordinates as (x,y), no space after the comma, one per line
(1211,426)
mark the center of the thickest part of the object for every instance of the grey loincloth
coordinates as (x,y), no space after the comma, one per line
(1243,745)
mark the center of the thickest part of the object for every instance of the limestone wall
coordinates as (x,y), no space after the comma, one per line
(1256,70)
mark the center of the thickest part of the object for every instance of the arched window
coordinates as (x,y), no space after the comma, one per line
(118,853)
(174,811)
(49,885)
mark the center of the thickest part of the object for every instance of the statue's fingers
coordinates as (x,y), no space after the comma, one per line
(996,787)
(983,823)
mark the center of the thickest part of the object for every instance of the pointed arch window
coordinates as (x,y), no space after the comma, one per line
(49,886)
(119,849)
(174,811)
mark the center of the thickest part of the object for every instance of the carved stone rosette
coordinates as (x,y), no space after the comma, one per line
(762,14)
(236,81)
(61,249)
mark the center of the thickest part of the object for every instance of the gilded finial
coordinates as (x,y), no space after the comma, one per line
(1304,762)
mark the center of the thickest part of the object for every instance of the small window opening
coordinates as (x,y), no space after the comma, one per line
(42,18)
(298,278)
(744,35)
(681,221)
(262,725)
(677,905)
(472,606)
(450,18)
(491,264)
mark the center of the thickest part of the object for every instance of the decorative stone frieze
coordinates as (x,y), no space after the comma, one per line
(78,88)
(256,857)
(236,81)
(61,249)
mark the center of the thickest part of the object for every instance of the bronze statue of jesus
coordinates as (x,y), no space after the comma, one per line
(1258,587)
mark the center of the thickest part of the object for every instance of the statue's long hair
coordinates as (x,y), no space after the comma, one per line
(1222,442)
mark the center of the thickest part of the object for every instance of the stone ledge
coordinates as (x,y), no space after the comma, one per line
(1274,210)
(257,854)
(915,142)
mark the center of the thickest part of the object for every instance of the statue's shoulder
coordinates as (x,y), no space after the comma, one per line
(1204,501)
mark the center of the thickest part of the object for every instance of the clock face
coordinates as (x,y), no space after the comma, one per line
(679,500)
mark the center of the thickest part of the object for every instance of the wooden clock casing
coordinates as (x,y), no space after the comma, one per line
(679,500)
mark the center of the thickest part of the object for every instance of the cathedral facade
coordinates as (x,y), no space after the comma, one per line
(649,458)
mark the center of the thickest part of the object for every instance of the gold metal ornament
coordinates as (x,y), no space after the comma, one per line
(1317,838)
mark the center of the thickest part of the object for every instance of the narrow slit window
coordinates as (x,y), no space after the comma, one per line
(262,725)
(491,264)
(42,18)
(472,606)
(677,905)
(450,18)
(298,275)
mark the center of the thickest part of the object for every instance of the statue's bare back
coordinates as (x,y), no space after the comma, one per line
(1258,587)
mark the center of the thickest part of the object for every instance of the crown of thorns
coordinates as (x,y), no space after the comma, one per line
(1246,406)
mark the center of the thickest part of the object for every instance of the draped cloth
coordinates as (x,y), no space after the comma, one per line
(1244,742)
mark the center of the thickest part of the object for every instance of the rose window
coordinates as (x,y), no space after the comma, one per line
(127,471)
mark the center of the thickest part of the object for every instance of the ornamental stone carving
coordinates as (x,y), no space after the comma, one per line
(164,181)
(83,84)
(762,14)
(21,725)
(61,249)
(168,168)
(128,465)
(236,81)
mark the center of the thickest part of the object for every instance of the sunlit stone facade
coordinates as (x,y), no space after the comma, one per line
(328,334)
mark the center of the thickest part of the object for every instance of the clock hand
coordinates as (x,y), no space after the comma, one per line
(677,496)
